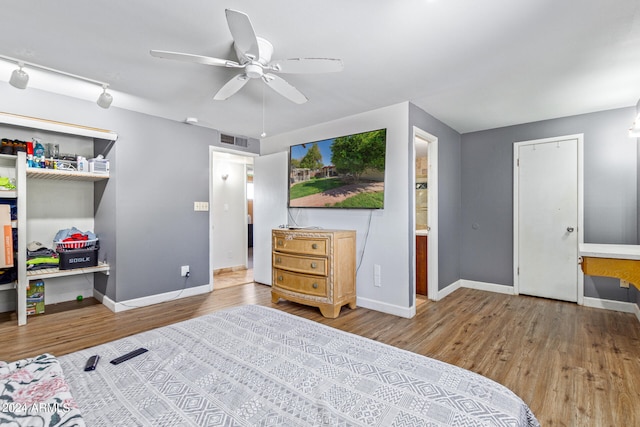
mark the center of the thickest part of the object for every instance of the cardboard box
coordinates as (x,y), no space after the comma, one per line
(35,297)
(6,248)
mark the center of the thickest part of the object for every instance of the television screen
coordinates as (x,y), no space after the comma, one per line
(343,172)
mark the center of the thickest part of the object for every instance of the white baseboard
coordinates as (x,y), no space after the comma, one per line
(606,304)
(484,286)
(472,284)
(625,307)
(442,293)
(117,307)
(383,307)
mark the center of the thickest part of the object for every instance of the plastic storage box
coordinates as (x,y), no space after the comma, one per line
(78,258)
(77,254)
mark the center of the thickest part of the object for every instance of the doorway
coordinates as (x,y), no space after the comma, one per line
(230,218)
(424,190)
(548,218)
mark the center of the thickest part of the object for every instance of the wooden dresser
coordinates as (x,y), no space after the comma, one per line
(315,267)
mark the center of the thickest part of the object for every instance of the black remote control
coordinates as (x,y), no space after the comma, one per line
(128,356)
(92,363)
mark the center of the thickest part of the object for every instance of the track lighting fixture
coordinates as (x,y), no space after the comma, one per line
(19,79)
(105,99)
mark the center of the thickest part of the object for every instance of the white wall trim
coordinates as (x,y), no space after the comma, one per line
(491,287)
(383,307)
(606,304)
(117,307)
(442,293)
(432,240)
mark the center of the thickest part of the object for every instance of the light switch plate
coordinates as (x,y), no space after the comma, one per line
(200,206)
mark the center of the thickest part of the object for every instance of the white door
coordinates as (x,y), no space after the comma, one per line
(270,188)
(547,218)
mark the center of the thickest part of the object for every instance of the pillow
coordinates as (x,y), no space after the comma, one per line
(34,393)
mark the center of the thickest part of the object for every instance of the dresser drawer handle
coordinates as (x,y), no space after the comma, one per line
(280,278)
(314,265)
(280,243)
(314,286)
(278,260)
(314,246)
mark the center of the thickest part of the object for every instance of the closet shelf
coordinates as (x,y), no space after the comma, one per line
(54,126)
(18,162)
(63,175)
(47,273)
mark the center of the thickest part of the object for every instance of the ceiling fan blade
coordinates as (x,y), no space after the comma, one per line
(243,34)
(231,87)
(199,59)
(307,65)
(283,88)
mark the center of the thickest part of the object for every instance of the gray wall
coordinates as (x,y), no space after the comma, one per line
(382,236)
(148,228)
(449,184)
(610,193)
(144,213)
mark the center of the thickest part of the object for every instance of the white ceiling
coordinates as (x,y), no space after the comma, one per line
(472,64)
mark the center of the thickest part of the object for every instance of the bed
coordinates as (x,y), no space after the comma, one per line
(254,365)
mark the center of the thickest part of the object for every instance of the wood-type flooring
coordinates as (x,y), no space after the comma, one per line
(573,365)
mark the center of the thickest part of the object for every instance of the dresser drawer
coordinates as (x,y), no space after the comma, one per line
(300,264)
(309,285)
(301,245)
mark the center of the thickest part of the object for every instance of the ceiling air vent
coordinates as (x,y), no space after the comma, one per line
(234,140)
(227,139)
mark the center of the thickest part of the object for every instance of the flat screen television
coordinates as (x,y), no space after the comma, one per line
(343,172)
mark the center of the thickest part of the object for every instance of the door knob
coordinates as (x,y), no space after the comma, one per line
(570,229)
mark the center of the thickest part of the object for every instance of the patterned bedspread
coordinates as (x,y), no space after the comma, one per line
(34,393)
(254,365)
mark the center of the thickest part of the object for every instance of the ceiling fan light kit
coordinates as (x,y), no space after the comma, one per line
(254,59)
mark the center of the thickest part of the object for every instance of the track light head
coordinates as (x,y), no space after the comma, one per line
(19,78)
(105,99)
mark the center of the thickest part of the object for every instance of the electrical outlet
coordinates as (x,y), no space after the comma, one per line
(377,275)
(184,270)
(624,284)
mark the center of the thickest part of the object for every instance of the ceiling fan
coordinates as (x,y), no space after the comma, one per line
(254,61)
